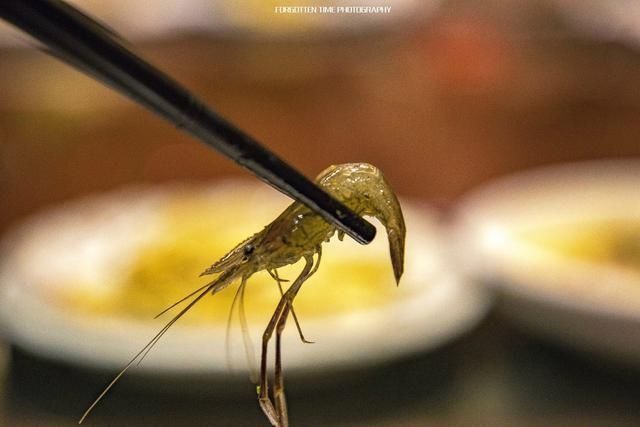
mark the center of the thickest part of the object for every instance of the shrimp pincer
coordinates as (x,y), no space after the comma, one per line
(296,234)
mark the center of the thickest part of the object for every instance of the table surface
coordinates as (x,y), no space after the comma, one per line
(494,375)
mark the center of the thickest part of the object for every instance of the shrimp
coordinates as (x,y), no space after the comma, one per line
(296,234)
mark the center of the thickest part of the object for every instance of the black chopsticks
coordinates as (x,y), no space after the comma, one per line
(79,40)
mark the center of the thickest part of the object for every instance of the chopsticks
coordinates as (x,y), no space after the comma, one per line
(87,45)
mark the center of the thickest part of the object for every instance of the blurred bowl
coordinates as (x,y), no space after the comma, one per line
(605,21)
(146,19)
(82,282)
(549,242)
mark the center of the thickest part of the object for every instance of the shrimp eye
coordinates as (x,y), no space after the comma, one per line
(248,250)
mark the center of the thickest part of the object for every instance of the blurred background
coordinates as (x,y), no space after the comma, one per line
(441,95)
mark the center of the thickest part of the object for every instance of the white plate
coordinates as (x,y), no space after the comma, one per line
(252,19)
(589,305)
(96,236)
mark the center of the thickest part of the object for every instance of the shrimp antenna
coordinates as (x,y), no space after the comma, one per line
(215,285)
(227,336)
(246,338)
(144,349)
(248,346)
(181,300)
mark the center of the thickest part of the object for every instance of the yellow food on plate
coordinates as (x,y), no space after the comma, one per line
(616,242)
(194,231)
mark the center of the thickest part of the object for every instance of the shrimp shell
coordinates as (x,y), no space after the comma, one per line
(297,233)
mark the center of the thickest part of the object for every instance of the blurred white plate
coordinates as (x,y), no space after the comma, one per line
(96,237)
(255,19)
(606,21)
(587,304)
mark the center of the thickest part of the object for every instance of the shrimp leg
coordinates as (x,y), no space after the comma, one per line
(278,386)
(277,278)
(263,396)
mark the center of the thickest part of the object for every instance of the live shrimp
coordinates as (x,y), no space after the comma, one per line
(296,234)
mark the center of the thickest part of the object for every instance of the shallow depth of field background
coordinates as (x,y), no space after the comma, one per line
(444,100)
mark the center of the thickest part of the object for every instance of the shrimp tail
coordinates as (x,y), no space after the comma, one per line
(365,190)
(396,249)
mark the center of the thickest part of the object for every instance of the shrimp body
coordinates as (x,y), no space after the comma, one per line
(297,233)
